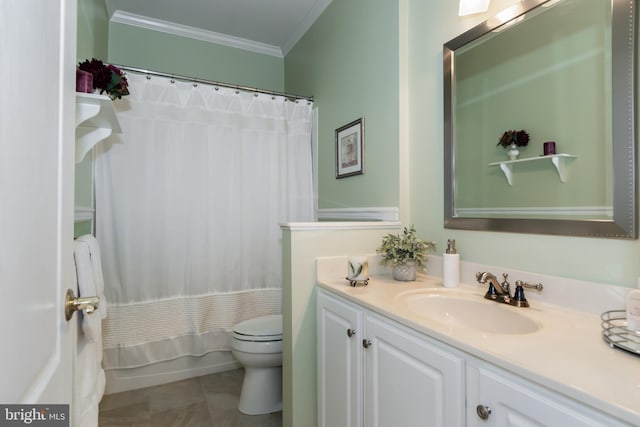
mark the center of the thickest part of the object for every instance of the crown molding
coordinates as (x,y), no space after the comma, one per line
(315,12)
(122,17)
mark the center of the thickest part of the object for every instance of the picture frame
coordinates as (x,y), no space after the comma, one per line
(350,149)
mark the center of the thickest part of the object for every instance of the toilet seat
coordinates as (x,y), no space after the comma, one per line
(259,329)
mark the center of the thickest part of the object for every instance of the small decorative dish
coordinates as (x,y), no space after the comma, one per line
(355,283)
(616,333)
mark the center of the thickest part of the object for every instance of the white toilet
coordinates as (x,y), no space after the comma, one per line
(257,345)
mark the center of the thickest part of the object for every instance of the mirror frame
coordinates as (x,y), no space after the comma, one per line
(623,76)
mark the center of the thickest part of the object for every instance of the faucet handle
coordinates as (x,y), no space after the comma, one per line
(537,286)
(492,293)
(519,300)
(481,277)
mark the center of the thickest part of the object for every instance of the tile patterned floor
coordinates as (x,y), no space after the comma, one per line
(210,400)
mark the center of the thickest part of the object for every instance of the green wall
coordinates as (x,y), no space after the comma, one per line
(537,76)
(610,261)
(93,29)
(158,51)
(348,60)
(365,37)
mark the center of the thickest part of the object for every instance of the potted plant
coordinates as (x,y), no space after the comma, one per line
(405,253)
(512,139)
(107,78)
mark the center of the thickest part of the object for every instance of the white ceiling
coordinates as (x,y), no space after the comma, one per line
(265,26)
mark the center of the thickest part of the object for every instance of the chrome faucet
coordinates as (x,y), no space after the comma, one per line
(501,292)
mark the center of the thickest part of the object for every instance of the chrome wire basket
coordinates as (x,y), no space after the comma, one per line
(616,333)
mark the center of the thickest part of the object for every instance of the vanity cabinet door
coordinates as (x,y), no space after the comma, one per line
(340,336)
(515,402)
(409,380)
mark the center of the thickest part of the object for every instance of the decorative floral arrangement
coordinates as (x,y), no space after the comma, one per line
(518,137)
(106,77)
(399,249)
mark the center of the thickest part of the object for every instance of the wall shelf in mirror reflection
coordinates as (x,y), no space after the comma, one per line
(558,160)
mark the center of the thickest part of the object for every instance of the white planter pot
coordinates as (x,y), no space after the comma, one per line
(405,272)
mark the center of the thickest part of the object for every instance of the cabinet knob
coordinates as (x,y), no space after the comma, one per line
(351,332)
(366,343)
(483,412)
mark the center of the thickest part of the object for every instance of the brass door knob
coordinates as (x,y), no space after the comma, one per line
(73,304)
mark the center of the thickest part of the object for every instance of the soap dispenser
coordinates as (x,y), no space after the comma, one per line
(451,265)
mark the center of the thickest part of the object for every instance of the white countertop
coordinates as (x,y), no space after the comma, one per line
(567,354)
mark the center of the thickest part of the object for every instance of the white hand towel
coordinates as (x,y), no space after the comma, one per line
(91,323)
(89,382)
(94,252)
(88,378)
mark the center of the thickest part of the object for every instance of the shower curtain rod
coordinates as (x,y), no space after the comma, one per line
(214,83)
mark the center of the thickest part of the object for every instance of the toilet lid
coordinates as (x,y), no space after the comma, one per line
(263,328)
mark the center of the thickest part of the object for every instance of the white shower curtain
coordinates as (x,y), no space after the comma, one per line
(188,205)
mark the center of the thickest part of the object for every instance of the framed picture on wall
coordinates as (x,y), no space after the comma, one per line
(350,149)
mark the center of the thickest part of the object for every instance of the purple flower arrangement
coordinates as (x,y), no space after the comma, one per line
(107,78)
(517,137)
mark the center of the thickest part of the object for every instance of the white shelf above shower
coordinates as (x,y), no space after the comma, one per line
(558,160)
(95,120)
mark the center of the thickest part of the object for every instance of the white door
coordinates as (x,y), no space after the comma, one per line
(37,92)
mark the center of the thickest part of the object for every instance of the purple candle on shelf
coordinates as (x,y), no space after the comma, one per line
(84,81)
(549,148)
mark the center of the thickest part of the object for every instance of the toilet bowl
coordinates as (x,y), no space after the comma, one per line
(257,344)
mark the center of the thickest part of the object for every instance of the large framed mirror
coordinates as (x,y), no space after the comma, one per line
(563,71)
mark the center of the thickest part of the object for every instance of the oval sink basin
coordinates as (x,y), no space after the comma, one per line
(457,310)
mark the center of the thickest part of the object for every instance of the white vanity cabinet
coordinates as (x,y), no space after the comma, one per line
(377,372)
(374,372)
(496,398)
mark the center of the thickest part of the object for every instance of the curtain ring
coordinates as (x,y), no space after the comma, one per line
(172,81)
(195,84)
(148,77)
